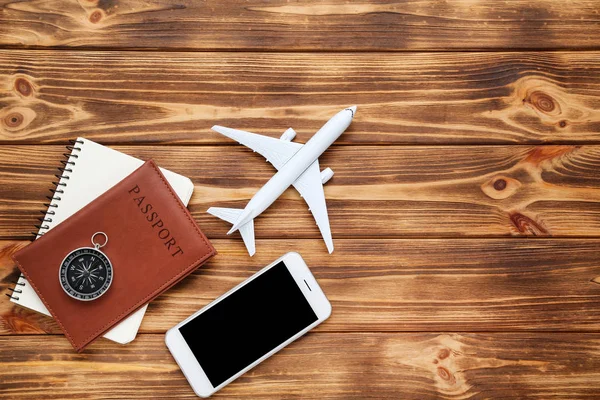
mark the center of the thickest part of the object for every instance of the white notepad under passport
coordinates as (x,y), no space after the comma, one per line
(90,170)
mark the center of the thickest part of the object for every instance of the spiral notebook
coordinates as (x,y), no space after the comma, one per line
(90,169)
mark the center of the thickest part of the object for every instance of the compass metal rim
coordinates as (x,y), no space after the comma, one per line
(101,290)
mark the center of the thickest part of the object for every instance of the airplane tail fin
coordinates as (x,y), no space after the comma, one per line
(232,215)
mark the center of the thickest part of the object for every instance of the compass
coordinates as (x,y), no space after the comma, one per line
(86,273)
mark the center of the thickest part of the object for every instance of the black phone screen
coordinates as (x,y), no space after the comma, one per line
(248,324)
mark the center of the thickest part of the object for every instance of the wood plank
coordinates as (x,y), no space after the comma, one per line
(393,285)
(377,191)
(168,97)
(324,366)
(332,25)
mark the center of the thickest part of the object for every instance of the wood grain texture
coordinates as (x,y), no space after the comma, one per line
(465,206)
(454,98)
(378,191)
(331,25)
(393,285)
(319,366)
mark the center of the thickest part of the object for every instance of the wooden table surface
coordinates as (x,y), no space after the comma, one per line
(465,206)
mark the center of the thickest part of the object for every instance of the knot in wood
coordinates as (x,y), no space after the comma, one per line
(13,120)
(500,184)
(500,187)
(446,375)
(443,353)
(527,225)
(96,17)
(542,101)
(23,87)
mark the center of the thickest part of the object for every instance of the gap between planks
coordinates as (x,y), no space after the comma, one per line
(382,144)
(390,238)
(301,51)
(354,332)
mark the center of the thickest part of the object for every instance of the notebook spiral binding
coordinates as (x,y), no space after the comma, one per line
(59,189)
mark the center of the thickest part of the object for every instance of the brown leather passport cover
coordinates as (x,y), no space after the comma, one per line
(144,264)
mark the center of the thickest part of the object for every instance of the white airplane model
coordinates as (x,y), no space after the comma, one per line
(297,164)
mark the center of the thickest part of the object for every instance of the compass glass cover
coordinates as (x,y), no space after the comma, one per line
(85,274)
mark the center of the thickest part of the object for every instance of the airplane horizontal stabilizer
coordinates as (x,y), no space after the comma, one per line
(231,215)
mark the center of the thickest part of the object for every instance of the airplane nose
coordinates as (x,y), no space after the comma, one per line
(352,110)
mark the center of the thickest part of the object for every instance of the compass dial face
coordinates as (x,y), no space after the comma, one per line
(85,274)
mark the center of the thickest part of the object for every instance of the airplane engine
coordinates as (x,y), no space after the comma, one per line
(288,135)
(326,175)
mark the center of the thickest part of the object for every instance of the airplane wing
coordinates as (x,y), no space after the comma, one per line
(276,151)
(310,187)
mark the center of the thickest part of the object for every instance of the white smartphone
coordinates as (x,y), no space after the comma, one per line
(248,324)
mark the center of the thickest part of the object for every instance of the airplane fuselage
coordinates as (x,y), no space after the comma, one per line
(296,166)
